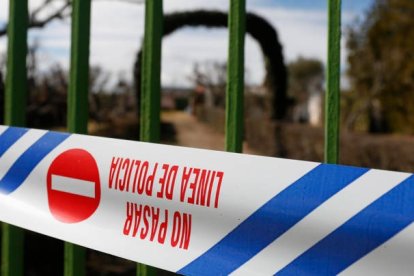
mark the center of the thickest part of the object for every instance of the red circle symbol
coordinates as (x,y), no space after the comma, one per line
(73,186)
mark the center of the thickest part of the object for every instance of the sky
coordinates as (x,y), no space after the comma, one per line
(117,31)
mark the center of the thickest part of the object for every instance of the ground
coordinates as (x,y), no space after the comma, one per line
(192,133)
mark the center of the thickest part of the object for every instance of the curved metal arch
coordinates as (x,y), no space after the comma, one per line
(261,30)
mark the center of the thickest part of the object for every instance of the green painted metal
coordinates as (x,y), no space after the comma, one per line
(74,259)
(78,106)
(15,114)
(235,76)
(16,84)
(79,67)
(151,72)
(12,250)
(146,270)
(151,86)
(332,97)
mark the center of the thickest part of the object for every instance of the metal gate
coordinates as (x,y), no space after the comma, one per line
(16,90)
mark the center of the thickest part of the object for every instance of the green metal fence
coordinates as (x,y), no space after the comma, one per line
(16,92)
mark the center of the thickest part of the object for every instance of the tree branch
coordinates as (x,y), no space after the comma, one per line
(58,14)
(61,13)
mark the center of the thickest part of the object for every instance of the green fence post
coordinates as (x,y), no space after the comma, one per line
(74,261)
(79,67)
(235,76)
(15,114)
(332,97)
(151,72)
(12,251)
(151,86)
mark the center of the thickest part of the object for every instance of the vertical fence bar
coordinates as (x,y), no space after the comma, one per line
(74,261)
(151,72)
(235,76)
(79,67)
(332,97)
(151,86)
(16,79)
(15,114)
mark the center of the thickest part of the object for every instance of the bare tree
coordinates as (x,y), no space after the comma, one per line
(212,76)
(52,13)
(48,11)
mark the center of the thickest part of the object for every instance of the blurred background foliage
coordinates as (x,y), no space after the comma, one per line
(381,70)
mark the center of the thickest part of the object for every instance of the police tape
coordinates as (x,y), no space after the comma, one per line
(199,212)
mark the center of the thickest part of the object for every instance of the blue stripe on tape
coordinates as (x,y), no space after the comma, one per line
(364,232)
(25,164)
(273,219)
(9,137)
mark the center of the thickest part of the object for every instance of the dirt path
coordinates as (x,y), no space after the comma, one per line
(192,133)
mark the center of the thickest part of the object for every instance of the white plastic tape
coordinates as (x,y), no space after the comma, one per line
(199,212)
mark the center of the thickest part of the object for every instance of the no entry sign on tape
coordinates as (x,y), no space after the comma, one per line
(199,212)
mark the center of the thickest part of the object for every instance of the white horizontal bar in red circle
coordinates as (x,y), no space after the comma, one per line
(73,186)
